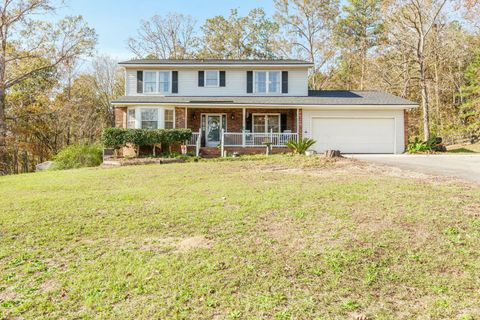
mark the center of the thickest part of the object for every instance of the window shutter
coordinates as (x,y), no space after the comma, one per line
(139,81)
(222,78)
(249,81)
(283,122)
(201,78)
(174,81)
(284,81)
(248,122)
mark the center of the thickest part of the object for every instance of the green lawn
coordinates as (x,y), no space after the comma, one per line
(465,148)
(265,239)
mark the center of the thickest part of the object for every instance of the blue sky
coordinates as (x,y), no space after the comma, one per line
(117,20)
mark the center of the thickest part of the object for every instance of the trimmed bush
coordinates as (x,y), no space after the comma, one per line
(119,137)
(78,156)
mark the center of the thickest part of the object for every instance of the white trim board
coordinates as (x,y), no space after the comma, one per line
(253,105)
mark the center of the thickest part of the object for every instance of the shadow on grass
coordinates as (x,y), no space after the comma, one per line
(461,150)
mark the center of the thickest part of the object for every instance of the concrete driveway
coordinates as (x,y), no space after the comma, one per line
(465,167)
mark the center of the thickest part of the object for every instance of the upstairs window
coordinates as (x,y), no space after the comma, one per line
(156,82)
(267,82)
(150,82)
(164,82)
(212,78)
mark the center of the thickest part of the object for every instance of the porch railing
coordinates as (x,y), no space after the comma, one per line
(255,139)
(245,139)
(193,139)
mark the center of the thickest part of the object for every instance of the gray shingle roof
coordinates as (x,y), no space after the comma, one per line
(320,97)
(214,62)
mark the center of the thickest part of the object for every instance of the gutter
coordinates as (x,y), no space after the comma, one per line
(304,106)
(187,66)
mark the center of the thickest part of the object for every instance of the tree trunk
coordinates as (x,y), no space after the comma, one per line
(425,104)
(423,86)
(3,135)
(363,63)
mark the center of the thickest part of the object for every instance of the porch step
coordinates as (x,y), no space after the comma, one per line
(209,152)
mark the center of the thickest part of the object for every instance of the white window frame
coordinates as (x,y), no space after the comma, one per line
(266,122)
(140,116)
(131,124)
(160,119)
(267,82)
(157,82)
(155,87)
(218,78)
(164,117)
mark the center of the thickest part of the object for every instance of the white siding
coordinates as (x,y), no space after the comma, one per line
(397,140)
(131,82)
(236,82)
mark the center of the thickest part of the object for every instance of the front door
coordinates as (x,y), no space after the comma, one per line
(213,130)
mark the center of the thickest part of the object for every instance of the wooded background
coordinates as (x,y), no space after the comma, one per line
(55,89)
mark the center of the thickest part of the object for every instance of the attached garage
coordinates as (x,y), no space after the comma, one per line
(354,135)
(355,131)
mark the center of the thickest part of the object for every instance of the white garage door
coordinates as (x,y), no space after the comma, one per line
(354,135)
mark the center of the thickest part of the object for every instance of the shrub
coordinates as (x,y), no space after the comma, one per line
(300,146)
(114,137)
(118,137)
(432,144)
(78,156)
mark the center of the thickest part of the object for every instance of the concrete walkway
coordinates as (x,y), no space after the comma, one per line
(465,167)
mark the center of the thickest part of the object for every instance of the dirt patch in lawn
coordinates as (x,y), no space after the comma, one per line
(49,285)
(154,244)
(8,295)
(348,167)
(194,243)
(177,244)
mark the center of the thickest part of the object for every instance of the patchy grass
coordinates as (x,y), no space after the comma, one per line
(466,148)
(277,238)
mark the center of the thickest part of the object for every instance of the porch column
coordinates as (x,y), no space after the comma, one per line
(186,117)
(298,125)
(244,121)
(244,125)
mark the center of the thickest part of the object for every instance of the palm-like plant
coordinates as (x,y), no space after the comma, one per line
(300,146)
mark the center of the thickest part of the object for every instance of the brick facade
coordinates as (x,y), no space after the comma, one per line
(179,117)
(255,150)
(234,117)
(239,150)
(120,117)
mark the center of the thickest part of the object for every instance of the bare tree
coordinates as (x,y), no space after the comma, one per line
(44,44)
(108,83)
(308,25)
(169,37)
(412,23)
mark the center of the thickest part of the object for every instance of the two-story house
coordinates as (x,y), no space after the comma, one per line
(241,104)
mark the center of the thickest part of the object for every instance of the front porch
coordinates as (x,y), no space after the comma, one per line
(234,128)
